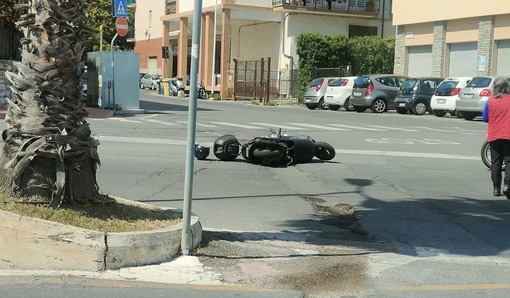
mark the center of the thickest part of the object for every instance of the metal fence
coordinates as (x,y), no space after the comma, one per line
(10,43)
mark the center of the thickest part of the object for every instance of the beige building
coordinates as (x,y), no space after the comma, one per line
(245,30)
(452,38)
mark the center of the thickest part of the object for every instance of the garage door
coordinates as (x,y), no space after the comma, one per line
(419,61)
(503,56)
(463,59)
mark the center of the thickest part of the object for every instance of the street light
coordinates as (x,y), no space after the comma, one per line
(213,81)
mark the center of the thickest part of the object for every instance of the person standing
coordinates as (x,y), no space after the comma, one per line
(497,114)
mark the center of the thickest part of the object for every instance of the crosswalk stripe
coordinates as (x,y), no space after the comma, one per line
(236,125)
(198,124)
(433,129)
(316,126)
(126,120)
(392,128)
(276,126)
(357,127)
(162,122)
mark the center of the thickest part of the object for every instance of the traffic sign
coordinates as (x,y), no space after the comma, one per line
(120,8)
(122,26)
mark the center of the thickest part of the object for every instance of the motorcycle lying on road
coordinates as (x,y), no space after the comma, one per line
(275,150)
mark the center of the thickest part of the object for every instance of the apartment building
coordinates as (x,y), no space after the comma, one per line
(452,38)
(245,30)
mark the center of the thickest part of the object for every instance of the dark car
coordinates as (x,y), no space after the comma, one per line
(415,94)
(376,92)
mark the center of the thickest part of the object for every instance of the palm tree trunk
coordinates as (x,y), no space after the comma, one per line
(48,151)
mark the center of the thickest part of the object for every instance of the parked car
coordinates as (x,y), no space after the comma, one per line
(338,94)
(415,94)
(151,81)
(142,74)
(314,94)
(376,92)
(473,97)
(446,95)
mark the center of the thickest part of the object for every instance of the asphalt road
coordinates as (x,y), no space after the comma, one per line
(421,197)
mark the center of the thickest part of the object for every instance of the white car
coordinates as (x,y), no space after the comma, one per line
(338,94)
(446,95)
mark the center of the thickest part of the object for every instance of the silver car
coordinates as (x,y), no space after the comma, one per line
(151,81)
(473,97)
(376,92)
(314,94)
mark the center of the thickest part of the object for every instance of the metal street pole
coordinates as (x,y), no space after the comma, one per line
(213,79)
(113,72)
(186,239)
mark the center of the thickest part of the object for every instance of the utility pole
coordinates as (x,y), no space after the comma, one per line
(186,239)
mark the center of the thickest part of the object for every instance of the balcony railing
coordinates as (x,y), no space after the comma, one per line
(349,6)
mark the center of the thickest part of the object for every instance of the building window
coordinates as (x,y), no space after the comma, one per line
(362,30)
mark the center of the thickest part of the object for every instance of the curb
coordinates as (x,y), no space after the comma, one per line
(29,243)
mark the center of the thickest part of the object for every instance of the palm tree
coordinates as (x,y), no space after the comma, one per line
(49,152)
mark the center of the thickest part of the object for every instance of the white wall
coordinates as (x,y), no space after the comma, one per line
(144,28)
(262,3)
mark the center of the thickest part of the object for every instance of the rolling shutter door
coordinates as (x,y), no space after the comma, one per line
(420,61)
(503,56)
(463,60)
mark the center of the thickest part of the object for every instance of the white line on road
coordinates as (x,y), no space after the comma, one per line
(338,151)
(316,126)
(392,128)
(126,120)
(162,122)
(357,127)
(276,126)
(198,124)
(236,125)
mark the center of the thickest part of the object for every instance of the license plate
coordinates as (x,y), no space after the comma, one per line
(441,101)
(357,93)
(401,104)
(468,95)
(329,97)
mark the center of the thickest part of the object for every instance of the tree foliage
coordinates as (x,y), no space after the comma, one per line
(8,15)
(365,54)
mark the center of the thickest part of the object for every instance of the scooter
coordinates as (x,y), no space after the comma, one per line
(176,85)
(201,90)
(275,150)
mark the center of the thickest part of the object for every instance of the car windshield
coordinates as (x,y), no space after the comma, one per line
(361,82)
(480,82)
(409,84)
(315,83)
(337,82)
(447,85)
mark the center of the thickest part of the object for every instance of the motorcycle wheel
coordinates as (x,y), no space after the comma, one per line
(324,151)
(485,153)
(201,94)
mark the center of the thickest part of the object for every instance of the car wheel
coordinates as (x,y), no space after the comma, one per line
(153,86)
(401,110)
(469,116)
(439,113)
(359,109)
(348,106)
(334,107)
(322,105)
(378,106)
(311,106)
(453,113)
(419,108)
(141,86)
(459,114)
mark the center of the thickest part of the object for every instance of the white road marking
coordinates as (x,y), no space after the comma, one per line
(276,126)
(162,122)
(338,151)
(357,127)
(392,128)
(316,126)
(126,120)
(198,124)
(236,125)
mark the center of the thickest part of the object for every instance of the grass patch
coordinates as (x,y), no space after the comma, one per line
(113,217)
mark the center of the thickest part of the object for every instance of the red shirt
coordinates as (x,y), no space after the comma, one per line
(499,118)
